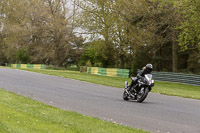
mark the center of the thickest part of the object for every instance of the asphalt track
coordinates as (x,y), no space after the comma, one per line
(158,113)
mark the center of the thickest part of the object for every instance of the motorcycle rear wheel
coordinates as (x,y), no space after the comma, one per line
(142,95)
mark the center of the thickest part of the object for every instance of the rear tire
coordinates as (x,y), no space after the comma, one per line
(142,95)
(125,96)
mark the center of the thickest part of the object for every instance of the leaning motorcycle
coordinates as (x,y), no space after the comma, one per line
(140,89)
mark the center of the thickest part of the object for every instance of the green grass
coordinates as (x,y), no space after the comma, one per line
(166,88)
(177,89)
(19,114)
(5,67)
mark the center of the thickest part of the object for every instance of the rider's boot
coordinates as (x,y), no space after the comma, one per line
(133,92)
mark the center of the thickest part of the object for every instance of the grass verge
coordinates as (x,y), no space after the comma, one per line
(19,114)
(166,88)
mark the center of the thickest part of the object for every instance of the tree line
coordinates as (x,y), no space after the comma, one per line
(104,33)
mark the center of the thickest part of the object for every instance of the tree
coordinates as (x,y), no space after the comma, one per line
(42,28)
(189,39)
(93,53)
(167,19)
(97,20)
(22,56)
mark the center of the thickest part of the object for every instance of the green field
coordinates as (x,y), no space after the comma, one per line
(22,115)
(166,88)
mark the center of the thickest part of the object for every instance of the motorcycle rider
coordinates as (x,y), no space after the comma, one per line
(146,70)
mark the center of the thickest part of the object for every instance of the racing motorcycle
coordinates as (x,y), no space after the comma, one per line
(140,89)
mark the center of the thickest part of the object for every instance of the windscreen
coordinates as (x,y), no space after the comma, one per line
(148,76)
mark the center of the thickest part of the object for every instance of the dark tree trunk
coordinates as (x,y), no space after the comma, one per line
(174,57)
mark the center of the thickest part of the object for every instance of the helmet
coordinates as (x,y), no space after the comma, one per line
(149,67)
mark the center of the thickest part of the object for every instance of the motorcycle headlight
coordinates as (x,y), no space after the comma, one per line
(152,83)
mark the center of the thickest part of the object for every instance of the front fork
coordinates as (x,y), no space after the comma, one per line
(126,87)
(126,84)
(128,91)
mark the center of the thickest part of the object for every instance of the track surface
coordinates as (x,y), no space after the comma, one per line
(158,113)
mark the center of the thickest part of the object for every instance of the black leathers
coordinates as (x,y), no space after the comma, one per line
(140,75)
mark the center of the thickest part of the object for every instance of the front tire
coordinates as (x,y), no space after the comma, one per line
(125,96)
(142,94)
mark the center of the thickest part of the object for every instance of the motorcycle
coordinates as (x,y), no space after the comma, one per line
(140,89)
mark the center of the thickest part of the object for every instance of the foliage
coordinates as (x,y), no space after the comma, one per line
(40,27)
(127,28)
(95,53)
(108,33)
(189,38)
(22,56)
(137,32)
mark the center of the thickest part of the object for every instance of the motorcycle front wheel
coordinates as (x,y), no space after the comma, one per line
(125,95)
(141,96)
